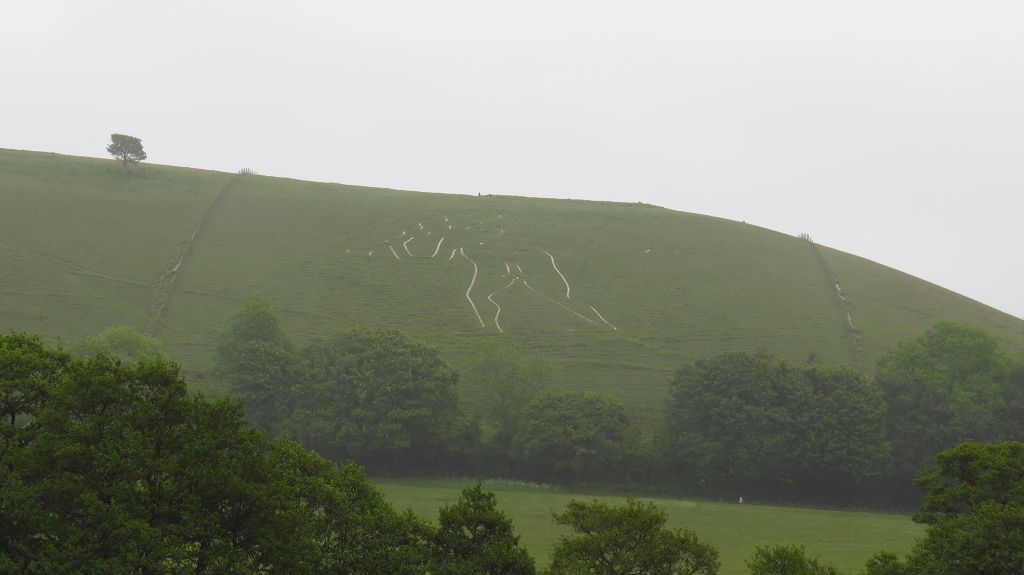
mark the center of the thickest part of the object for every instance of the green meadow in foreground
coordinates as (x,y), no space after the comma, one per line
(612,297)
(844,538)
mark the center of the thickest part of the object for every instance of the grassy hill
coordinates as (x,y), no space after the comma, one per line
(613,296)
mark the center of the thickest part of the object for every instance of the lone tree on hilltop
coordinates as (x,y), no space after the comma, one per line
(126,148)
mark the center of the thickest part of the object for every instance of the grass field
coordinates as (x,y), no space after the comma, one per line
(614,297)
(845,538)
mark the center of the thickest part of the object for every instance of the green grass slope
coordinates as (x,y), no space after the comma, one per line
(613,296)
(844,538)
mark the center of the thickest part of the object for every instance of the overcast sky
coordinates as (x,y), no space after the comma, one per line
(890,129)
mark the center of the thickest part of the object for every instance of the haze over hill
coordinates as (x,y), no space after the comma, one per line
(614,296)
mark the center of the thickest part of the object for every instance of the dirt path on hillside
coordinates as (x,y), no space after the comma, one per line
(163,289)
(853,332)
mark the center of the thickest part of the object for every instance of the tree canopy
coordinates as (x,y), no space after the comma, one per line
(474,537)
(974,511)
(256,358)
(741,424)
(787,560)
(127,149)
(122,341)
(944,387)
(380,398)
(512,382)
(119,469)
(629,539)
(571,437)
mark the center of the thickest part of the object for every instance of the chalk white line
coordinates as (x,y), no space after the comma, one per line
(453,254)
(438,246)
(470,288)
(520,269)
(449,226)
(498,313)
(371,253)
(392,248)
(565,281)
(405,244)
(446,219)
(508,270)
(420,225)
(583,317)
(602,317)
(401,235)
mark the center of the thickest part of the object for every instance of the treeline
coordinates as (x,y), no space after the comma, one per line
(734,425)
(389,403)
(742,424)
(115,467)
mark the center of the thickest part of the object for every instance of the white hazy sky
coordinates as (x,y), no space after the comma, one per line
(890,129)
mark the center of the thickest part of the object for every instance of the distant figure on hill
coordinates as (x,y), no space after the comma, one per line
(740,500)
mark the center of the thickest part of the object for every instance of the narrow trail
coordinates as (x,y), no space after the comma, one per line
(453,254)
(164,287)
(565,281)
(470,288)
(545,296)
(405,245)
(438,246)
(497,314)
(853,332)
(394,253)
(602,318)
